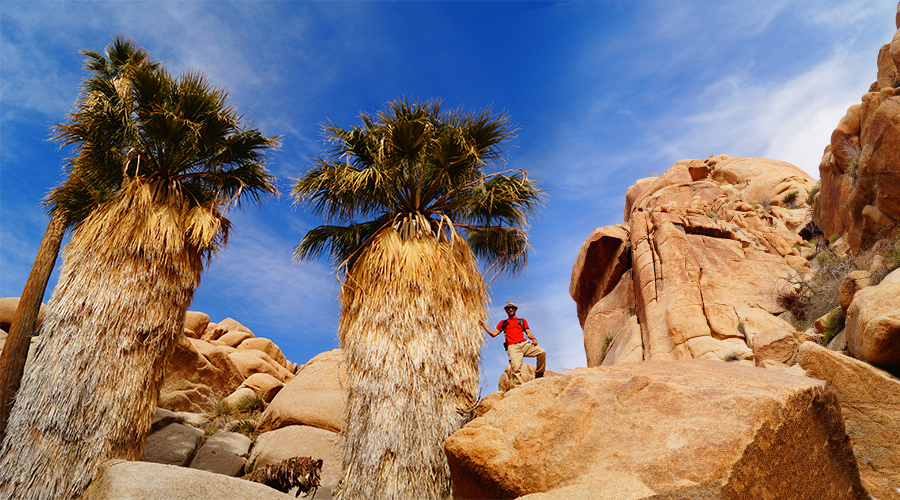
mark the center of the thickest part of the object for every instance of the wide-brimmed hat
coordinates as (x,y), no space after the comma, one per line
(508,305)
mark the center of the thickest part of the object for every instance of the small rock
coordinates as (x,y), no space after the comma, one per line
(853,282)
(162,418)
(774,345)
(174,444)
(223,453)
(264,384)
(195,322)
(234,338)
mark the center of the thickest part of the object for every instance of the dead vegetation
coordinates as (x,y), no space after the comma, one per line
(811,297)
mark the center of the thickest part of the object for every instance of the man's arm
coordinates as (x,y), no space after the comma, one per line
(492,333)
(530,336)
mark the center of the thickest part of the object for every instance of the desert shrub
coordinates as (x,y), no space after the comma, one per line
(241,417)
(790,198)
(732,356)
(853,152)
(740,328)
(245,426)
(221,408)
(764,204)
(250,404)
(604,345)
(811,198)
(889,251)
(834,323)
(895,84)
(825,285)
(834,237)
(712,215)
(795,299)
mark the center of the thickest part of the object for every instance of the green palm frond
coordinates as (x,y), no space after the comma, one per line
(414,162)
(504,249)
(341,243)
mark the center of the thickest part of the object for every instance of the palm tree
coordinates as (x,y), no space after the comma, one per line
(109,72)
(414,207)
(177,156)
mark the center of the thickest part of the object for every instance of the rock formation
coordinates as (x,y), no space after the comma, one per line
(218,361)
(860,195)
(690,274)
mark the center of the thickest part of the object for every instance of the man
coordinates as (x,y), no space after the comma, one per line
(515,329)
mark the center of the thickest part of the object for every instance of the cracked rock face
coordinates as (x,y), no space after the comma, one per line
(700,256)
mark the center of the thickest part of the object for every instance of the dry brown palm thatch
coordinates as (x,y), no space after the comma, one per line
(295,472)
(89,395)
(409,329)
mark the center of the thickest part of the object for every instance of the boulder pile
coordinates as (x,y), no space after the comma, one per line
(221,360)
(302,418)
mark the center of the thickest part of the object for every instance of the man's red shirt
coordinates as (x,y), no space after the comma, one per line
(514,334)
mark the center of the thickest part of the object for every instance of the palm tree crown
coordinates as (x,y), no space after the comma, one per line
(419,169)
(176,137)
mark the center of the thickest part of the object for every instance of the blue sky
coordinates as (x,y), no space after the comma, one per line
(602,92)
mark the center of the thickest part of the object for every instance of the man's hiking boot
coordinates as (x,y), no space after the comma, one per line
(539,375)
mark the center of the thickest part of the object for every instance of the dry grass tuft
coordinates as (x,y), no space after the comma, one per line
(410,334)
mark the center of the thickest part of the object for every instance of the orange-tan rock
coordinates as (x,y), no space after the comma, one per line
(196,373)
(195,324)
(765,435)
(870,405)
(873,326)
(267,346)
(316,396)
(704,255)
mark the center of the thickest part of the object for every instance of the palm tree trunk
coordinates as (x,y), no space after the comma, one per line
(409,329)
(91,389)
(15,351)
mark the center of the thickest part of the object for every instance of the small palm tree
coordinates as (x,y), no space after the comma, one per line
(414,206)
(109,74)
(159,160)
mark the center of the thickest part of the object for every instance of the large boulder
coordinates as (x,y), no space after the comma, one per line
(761,180)
(602,485)
(263,383)
(316,396)
(196,373)
(301,441)
(873,326)
(870,405)
(764,435)
(121,480)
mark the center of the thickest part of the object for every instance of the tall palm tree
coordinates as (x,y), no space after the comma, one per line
(414,206)
(181,156)
(109,72)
